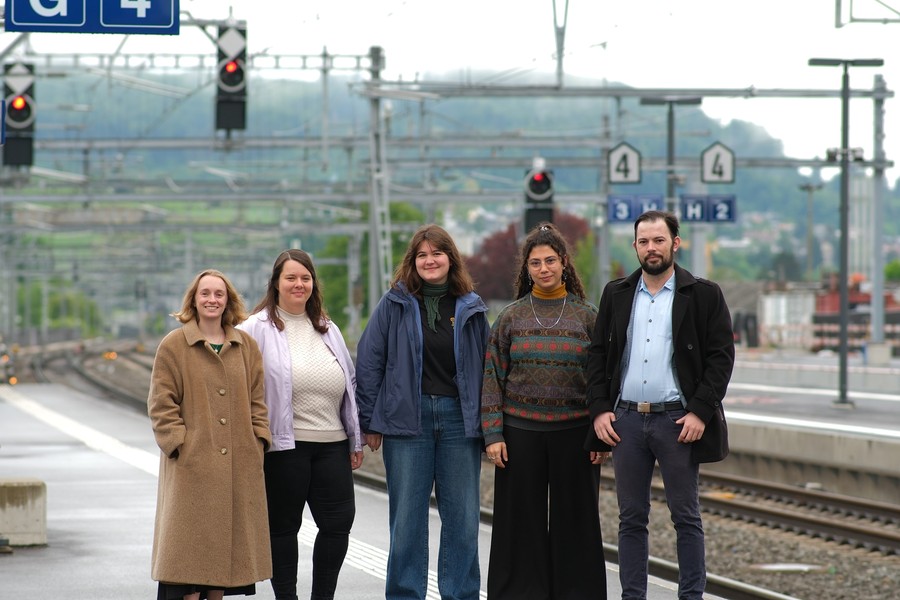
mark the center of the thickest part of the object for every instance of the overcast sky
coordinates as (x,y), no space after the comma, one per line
(641,43)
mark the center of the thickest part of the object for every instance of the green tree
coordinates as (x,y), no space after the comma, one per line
(336,289)
(892,270)
(66,308)
(494,265)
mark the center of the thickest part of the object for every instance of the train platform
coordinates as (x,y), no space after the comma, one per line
(99,463)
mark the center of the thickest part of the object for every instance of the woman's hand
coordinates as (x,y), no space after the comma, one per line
(373,441)
(598,458)
(356,460)
(496,453)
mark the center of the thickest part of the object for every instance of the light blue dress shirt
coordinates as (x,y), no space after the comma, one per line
(649,374)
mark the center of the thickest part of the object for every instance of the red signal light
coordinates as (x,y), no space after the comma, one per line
(231,76)
(20,112)
(539,185)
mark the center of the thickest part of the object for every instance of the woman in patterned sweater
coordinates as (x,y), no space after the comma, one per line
(535,420)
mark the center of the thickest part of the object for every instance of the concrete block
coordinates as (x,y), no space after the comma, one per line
(878,355)
(23,511)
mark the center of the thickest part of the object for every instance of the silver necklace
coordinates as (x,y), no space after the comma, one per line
(531,299)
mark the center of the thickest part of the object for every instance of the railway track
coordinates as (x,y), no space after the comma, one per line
(843,520)
(856,522)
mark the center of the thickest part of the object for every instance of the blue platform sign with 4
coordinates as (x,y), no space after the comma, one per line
(93,16)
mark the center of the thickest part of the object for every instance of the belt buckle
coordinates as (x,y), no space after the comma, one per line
(643,407)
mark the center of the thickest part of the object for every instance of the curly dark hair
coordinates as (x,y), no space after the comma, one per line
(547,234)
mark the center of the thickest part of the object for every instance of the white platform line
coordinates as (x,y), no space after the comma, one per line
(806,391)
(735,415)
(360,555)
(369,559)
(141,459)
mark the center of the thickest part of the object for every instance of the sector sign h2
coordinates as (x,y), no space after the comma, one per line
(93,16)
(695,208)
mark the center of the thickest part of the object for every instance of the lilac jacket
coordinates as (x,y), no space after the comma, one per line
(277,367)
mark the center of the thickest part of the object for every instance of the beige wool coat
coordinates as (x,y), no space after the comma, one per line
(209,418)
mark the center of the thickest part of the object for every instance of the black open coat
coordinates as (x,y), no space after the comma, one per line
(703,343)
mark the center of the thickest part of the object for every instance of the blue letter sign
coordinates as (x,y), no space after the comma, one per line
(619,208)
(93,16)
(722,209)
(625,208)
(700,208)
(693,208)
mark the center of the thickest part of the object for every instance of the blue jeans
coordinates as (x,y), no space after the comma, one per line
(648,438)
(443,457)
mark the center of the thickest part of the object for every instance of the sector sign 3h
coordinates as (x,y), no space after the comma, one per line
(93,16)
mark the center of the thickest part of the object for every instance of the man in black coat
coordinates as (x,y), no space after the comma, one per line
(658,368)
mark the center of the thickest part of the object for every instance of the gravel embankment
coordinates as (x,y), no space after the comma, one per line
(813,568)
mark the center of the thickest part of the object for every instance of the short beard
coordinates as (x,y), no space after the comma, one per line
(657,269)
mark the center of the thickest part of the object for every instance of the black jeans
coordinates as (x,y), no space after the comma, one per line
(317,474)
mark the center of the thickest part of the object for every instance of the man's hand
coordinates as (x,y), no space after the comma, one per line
(604,429)
(692,428)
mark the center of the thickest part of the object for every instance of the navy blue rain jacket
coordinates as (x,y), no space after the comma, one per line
(389,363)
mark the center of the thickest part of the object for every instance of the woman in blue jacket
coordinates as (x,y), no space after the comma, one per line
(418,384)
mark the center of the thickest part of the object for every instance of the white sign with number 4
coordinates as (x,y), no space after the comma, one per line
(624,163)
(717,164)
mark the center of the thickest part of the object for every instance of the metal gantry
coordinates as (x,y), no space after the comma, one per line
(374,160)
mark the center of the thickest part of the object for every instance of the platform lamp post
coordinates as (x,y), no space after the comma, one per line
(844,151)
(671,101)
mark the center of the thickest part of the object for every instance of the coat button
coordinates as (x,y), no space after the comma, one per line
(222,392)
(222,420)
(224,450)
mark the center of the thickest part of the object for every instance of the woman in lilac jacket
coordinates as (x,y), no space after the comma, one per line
(310,386)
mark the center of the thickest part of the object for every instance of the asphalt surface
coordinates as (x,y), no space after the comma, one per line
(99,463)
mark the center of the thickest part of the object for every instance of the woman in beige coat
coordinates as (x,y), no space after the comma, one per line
(209,418)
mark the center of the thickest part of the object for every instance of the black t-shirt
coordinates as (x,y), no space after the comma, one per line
(438,362)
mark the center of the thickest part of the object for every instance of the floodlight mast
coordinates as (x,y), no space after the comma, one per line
(844,151)
(670,101)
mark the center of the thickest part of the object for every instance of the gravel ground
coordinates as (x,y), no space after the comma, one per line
(811,568)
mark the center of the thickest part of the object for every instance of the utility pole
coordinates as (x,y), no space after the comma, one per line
(560,31)
(671,178)
(842,400)
(810,189)
(380,260)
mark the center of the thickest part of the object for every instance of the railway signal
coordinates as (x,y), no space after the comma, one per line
(231,78)
(538,196)
(18,92)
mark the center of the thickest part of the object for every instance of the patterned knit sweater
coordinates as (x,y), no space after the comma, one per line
(534,367)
